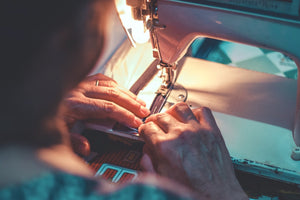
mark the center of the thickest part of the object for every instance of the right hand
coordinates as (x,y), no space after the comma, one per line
(187,146)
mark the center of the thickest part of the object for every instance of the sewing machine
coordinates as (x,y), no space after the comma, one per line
(258,114)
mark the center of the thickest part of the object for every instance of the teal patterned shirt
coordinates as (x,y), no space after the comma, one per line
(63,186)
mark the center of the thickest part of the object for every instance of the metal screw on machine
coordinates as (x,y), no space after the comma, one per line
(180,97)
(296,153)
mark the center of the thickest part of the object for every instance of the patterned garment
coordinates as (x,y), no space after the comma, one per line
(63,186)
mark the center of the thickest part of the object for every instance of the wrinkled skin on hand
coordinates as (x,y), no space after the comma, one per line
(186,145)
(106,100)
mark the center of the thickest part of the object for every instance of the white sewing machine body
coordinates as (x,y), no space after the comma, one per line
(257,113)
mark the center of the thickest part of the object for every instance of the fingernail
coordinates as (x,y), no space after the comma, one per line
(137,122)
(144,111)
(141,102)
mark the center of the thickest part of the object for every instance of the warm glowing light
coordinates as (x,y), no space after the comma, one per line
(135,29)
(138,33)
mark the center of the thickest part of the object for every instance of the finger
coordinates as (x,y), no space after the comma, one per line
(105,81)
(146,164)
(197,114)
(102,109)
(182,112)
(204,116)
(80,144)
(133,96)
(97,80)
(118,113)
(152,134)
(100,77)
(150,154)
(164,120)
(119,97)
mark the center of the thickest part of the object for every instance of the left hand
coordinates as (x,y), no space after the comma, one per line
(100,101)
(104,100)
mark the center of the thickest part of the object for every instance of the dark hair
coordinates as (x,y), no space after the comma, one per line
(26,27)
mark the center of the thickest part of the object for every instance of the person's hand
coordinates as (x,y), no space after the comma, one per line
(100,97)
(187,146)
